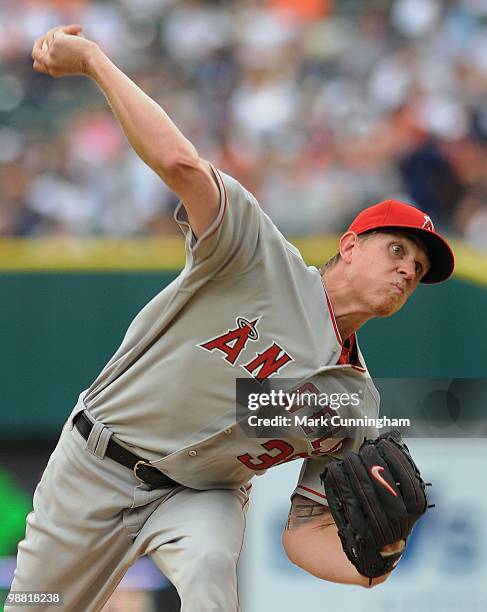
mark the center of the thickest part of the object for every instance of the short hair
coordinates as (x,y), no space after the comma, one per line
(331,263)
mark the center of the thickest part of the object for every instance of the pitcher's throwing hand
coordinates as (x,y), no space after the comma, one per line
(63,51)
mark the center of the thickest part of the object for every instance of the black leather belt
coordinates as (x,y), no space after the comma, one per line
(142,469)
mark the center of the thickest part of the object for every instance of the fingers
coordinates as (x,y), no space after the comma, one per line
(37,49)
(39,53)
(73,29)
(50,36)
(43,44)
(39,67)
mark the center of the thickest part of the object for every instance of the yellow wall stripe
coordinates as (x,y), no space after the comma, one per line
(19,255)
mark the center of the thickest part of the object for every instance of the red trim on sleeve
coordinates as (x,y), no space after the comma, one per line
(349,354)
(338,445)
(311,491)
(332,314)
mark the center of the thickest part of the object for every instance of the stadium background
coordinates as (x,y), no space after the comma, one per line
(319,108)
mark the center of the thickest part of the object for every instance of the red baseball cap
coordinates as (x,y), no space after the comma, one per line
(399,215)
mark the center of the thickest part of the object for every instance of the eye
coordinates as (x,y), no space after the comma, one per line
(419,268)
(397,249)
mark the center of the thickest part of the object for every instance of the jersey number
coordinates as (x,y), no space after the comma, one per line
(280,452)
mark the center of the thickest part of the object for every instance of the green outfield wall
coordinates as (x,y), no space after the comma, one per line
(58,327)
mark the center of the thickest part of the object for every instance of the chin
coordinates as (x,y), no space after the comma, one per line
(386,308)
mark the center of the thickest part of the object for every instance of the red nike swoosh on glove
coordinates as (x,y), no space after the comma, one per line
(376,470)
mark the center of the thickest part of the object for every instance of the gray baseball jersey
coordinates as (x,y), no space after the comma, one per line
(245,305)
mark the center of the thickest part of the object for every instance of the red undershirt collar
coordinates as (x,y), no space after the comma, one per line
(349,353)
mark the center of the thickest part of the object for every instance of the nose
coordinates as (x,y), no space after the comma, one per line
(407,268)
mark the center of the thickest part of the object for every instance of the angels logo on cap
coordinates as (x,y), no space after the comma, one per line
(398,215)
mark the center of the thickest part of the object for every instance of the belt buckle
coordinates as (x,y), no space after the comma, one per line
(136,466)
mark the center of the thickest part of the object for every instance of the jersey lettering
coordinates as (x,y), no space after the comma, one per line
(268,362)
(266,460)
(233,342)
(286,453)
(326,445)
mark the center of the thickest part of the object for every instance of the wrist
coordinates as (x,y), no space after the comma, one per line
(93,57)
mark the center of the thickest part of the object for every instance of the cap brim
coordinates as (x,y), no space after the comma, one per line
(442,260)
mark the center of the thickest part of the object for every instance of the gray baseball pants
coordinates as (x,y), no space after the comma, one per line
(92,519)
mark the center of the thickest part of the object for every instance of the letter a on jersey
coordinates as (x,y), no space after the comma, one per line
(233,342)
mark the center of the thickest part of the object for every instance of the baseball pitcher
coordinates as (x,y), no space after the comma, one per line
(153,460)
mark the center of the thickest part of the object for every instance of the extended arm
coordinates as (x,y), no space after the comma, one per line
(152,134)
(311,542)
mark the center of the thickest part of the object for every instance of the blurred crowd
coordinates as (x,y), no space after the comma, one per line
(319,107)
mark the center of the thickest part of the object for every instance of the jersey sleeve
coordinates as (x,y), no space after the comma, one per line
(309,482)
(231,243)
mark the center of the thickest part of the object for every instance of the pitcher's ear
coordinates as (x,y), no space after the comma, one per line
(348,242)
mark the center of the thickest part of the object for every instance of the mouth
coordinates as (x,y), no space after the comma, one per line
(398,288)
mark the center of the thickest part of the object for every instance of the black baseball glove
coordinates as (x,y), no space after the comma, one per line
(375,497)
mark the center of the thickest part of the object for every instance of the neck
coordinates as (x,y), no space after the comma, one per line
(349,314)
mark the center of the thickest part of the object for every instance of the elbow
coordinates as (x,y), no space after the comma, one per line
(176,164)
(300,555)
(180,171)
(292,549)
(325,562)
